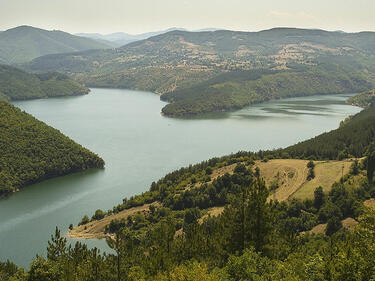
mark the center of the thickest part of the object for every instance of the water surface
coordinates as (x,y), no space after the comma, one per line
(139,146)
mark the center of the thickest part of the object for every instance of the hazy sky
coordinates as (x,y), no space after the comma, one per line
(106,16)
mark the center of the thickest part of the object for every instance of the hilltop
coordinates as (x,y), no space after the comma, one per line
(200,72)
(16,84)
(24,43)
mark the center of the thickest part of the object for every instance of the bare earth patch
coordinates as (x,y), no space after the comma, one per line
(370,204)
(213,212)
(348,223)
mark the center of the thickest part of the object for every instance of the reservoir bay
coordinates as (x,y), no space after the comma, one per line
(139,146)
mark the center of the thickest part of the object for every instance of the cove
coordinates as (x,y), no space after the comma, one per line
(139,146)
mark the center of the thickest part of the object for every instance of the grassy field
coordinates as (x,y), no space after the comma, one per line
(326,174)
(290,175)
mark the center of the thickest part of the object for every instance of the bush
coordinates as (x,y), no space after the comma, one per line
(99,214)
(84,220)
(334,224)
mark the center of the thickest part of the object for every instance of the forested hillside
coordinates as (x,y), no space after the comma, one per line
(200,72)
(351,139)
(24,43)
(234,90)
(31,151)
(364,99)
(16,84)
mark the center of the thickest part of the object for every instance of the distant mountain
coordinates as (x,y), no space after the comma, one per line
(200,72)
(16,84)
(24,43)
(119,39)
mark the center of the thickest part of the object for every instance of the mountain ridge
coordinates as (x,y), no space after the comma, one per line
(24,43)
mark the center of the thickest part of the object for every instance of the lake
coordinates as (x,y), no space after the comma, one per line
(139,146)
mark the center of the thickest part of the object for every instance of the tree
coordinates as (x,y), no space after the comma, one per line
(191,215)
(258,215)
(190,272)
(84,220)
(318,197)
(43,270)
(333,225)
(311,173)
(329,210)
(354,169)
(370,161)
(99,214)
(57,246)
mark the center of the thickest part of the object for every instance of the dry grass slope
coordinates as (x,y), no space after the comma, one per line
(291,176)
(95,229)
(326,174)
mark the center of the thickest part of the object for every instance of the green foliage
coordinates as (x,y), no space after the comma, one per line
(99,214)
(354,168)
(352,139)
(365,99)
(319,197)
(229,93)
(16,84)
(333,225)
(370,162)
(311,173)
(31,151)
(84,220)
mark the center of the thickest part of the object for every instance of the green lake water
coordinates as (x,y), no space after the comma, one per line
(140,146)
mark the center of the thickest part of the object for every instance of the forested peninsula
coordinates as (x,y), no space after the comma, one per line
(16,84)
(365,99)
(31,151)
